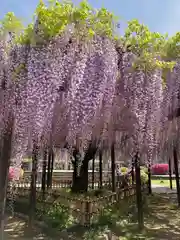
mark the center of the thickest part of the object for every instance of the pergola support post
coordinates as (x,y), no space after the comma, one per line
(176,174)
(139,200)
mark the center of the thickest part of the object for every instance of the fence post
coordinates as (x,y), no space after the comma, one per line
(82,216)
(170,174)
(100,169)
(93,166)
(113,168)
(88,213)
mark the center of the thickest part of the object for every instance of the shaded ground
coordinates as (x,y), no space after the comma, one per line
(16,228)
(162,189)
(162,222)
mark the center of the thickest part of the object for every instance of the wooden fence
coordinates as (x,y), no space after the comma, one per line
(67,175)
(83,209)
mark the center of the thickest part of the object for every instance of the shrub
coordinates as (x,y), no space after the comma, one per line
(59,216)
(145,169)
(124,170)
(144,177)
(160,169)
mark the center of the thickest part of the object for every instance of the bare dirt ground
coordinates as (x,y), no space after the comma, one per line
(16,228)
(161,218)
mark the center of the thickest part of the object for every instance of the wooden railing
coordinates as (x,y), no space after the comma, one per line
(66,175)
(83,209)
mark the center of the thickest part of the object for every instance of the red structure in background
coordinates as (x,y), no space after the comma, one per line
(160,169)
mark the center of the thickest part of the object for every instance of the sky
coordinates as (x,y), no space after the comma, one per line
(160,15)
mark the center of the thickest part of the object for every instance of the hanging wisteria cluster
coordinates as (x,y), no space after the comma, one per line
(67,80)
(170,112)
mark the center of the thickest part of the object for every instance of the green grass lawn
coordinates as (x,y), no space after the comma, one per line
(163,183)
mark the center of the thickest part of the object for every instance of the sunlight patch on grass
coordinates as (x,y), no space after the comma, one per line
(163,183)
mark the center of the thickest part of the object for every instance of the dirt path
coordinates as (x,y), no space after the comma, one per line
(17,229)
(161,189)
(161,218)
(163,221)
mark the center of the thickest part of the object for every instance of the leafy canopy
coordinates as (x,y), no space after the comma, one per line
(10,23)
(149,47)
(153,50)
(55,17)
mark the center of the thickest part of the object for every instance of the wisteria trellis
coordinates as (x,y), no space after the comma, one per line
(73,91)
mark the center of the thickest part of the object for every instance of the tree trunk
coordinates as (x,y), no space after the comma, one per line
(149,180)
(33,185)
(75,164)
(113,168)
(100,169)
(93,166)
(4,170)
(43,183)
(4,166)
(80,183)
(132,170)
(49,169)
(177,175)
(139,193)
(170,174)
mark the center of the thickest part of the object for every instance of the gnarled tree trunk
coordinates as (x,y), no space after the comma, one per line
(80,182)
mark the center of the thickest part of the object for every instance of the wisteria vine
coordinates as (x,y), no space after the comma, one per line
(68,78)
